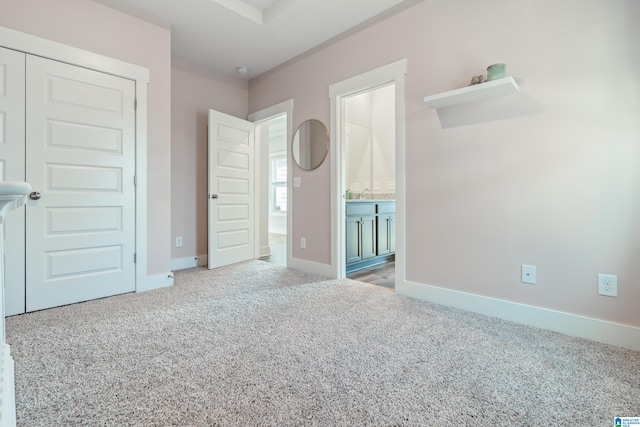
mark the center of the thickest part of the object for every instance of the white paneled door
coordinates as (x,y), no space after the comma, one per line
(231,190)
(80,157)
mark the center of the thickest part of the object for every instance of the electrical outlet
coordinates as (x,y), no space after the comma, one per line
(179,242)
(303,243)
(529,274)
(608,285)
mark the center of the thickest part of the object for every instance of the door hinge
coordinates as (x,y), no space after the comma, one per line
(134,258)
(135,180)
(135,104)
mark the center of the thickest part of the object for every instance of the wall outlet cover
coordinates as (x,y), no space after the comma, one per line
(608,285)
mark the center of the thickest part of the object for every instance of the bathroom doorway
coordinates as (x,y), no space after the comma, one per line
(369,172)
(392,78)
(273,189)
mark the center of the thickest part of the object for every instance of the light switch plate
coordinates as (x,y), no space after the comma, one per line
(529,274)
(297,181)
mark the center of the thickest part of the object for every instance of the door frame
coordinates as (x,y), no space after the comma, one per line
(38,46)
(284,108)
(393,73)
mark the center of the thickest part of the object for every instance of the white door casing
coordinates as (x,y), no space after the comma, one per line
(391,73)
(283,108)
(12,111)
(80,155)
(231,190)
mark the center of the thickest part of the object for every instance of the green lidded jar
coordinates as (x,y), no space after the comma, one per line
(496,71)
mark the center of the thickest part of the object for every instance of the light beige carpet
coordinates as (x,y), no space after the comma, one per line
(257,344)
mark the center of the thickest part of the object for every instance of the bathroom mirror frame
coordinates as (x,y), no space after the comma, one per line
(310,144)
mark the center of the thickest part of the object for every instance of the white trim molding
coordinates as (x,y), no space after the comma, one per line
(283,108)
(311,267)
(393,73)
(566,323)
(184,263)
(157,281)
(265,251)
(7,379)
(189,262)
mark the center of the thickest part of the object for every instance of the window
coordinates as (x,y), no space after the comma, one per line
(279,183)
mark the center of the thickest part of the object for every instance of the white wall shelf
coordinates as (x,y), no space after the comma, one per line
(504,86)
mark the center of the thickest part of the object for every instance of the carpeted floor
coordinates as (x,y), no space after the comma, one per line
(257,344)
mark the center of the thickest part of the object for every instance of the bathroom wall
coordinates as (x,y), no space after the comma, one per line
(370,143)
(383,115)
(277,146)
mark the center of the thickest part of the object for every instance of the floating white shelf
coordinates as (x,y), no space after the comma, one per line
(504,86)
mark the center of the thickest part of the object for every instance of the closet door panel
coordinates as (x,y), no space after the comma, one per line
(80,143)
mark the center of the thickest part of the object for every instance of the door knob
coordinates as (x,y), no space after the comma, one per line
(34,195)
(214,196)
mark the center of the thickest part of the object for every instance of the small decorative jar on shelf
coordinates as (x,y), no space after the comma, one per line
(496,71)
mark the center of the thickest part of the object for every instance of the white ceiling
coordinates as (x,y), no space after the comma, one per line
(259,34)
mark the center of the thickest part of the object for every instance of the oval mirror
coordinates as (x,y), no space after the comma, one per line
(310,144)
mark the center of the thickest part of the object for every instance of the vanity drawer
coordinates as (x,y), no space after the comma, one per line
(361,208)
(386,207)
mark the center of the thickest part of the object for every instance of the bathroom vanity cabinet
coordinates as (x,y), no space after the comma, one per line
(370,233)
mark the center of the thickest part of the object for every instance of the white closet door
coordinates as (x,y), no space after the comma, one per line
(12,68)
(80,155)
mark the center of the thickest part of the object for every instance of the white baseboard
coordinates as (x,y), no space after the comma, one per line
(566,323)
(311,267)
(156,282)
(184,263)
(8,414)
(264,251)
(189,262)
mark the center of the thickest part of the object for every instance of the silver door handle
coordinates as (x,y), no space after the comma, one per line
(34,195)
